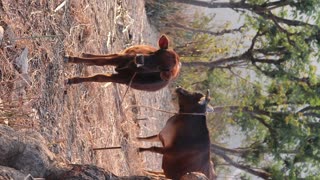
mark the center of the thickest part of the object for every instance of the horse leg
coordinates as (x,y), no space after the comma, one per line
(154,149)
(116,78)
(114,60)
(145,82)
(154,138)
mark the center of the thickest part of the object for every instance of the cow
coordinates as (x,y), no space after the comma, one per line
(141,67)
(185,138)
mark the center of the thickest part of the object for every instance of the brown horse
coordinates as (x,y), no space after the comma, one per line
(142,67)
(185,138)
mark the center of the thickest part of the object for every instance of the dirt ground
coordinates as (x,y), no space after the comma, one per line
(78,118)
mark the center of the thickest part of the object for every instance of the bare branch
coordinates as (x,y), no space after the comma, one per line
(309,108)
(235,152)
(268,61)
(258,9)
(216,63)
(312,114)
(196,30)
(207,4)
(274,73)
(255,171)
(276,4)
(274,52)
(272,131)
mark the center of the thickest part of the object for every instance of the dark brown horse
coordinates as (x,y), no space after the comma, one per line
(185,138)
(142,67)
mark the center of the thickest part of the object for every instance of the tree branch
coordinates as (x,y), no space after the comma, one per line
(268,61)
(218,62)
(181,26)
(258,9)
(276,4)
(271,52)
(272,131)
(312,114)
(280,71)
(207,4)
(309,108)
(235,152)
(257,172)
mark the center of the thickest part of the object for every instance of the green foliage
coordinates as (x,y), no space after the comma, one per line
(282,114)
(193,45)
(276,170)
(278,110)
(286,129)
(302,7)
(256,2)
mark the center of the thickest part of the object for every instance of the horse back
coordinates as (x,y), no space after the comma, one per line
(140,49)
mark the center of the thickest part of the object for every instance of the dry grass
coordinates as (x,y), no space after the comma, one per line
(88,115)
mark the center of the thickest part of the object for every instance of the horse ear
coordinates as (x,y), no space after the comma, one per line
(163,42)
(165,75)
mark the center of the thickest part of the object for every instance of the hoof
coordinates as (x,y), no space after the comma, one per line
(66,85)
(86,55)
(67,82)
(66,59)
(139,150)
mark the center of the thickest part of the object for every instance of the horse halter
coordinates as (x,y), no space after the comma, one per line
(139,60)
